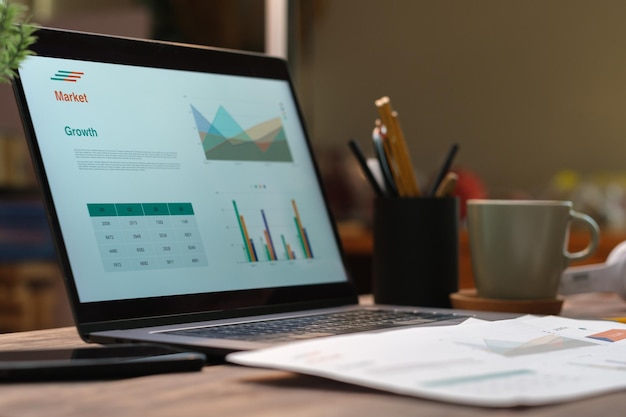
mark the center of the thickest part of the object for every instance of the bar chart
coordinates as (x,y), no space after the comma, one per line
(266,241)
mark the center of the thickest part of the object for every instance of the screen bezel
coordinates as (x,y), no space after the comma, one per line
(171,309)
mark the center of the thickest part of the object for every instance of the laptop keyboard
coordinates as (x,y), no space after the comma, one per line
(319,325)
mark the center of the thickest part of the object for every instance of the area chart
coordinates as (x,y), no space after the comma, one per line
(225,139)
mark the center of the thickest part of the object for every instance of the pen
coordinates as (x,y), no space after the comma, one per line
(377,138)
(444,168)
(387,136)
(360,157)
(374,166)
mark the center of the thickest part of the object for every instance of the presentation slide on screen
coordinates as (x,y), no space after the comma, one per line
(176,182)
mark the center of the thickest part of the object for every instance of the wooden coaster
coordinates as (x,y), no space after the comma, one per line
(469,300)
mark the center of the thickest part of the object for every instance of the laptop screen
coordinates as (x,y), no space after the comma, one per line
(171,181)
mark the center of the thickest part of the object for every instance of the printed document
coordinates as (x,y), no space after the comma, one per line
(524,361)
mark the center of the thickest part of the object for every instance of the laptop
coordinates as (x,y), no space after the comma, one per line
(183,197)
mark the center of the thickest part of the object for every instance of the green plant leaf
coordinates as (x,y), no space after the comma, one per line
(16,38)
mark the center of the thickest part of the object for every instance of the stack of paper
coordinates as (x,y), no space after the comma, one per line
(525,361)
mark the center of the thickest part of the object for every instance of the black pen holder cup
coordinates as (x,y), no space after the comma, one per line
(416,251)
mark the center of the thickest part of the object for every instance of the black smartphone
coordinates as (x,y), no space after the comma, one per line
(106,362)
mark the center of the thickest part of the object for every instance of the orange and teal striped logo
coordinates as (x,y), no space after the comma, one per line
(69,76)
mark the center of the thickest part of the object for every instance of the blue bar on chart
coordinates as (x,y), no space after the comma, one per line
(267,239)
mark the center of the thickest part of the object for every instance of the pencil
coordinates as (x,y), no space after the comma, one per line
(404,160)
(446,188)
(617,319)
(397,151)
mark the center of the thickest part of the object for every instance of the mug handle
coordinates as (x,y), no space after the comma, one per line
(594,232)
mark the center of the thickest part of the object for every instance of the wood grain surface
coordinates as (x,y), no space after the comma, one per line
(228,390)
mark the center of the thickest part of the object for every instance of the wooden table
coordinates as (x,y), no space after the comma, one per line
(231,391)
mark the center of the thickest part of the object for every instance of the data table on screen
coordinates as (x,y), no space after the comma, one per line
(136,236)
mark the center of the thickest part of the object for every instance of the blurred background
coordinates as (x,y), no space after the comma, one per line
(533,91)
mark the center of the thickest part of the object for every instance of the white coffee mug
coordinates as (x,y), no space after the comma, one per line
(519,247)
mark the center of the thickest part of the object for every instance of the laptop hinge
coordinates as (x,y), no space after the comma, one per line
(85,329)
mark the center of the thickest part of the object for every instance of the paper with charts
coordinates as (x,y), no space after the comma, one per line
(524,361)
